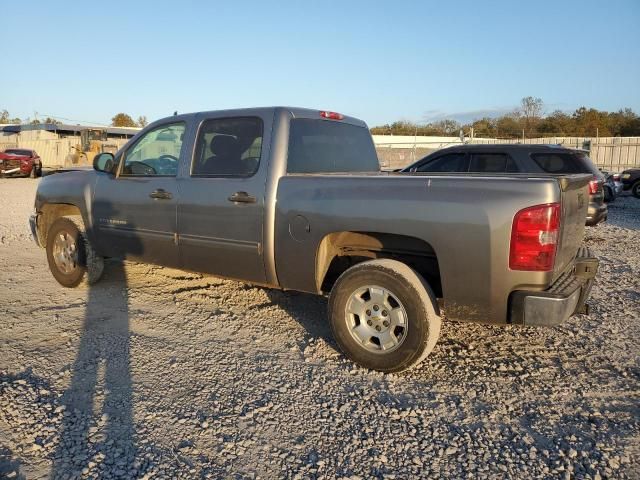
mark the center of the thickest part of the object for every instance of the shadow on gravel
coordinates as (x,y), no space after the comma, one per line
(103,354)
(310,311)
(9,467)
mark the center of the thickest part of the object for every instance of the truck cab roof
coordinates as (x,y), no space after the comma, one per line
(295,112)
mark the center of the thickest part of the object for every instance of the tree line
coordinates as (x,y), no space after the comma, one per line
(5,117)
(528,120)
(118,120)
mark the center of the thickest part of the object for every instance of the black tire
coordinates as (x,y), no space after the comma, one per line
(86,267)
(608,195)
(635,190)
(413,295)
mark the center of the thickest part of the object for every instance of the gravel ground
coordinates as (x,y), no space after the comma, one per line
(159,373)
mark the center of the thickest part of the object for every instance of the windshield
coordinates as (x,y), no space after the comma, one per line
(17,151)
(323,146)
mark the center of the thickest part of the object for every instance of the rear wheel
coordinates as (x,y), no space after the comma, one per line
(384,315)
(72,259)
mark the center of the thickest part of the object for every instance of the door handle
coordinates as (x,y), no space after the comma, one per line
(161,194)
(242,197)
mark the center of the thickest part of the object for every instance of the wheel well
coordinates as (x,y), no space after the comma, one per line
(50,213)
(341,250)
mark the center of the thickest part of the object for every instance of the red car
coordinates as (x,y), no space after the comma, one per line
(20,161)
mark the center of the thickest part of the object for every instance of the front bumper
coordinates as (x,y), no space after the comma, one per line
(33,225)
(566,297)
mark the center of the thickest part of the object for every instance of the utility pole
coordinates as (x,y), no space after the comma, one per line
(415,139)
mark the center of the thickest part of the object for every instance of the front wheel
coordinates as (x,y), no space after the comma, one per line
(71,257)
(635,190)
(384,315)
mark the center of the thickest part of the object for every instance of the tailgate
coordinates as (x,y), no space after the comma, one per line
(574,203)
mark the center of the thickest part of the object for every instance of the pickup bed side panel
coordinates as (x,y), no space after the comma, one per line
(466,220)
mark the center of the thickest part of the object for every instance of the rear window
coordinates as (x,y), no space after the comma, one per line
(564,162)
(323,146)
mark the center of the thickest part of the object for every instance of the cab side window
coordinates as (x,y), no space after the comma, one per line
(492,163)
(452,162)
(156,153)
(228,147)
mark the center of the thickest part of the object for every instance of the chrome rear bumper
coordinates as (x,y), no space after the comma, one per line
(566,297)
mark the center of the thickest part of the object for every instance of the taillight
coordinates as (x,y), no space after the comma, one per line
(593,187)
(534,238)
(331,115)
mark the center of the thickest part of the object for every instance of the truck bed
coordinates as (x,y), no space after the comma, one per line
(464,221)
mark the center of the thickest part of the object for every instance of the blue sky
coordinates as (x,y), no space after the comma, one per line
(380,61)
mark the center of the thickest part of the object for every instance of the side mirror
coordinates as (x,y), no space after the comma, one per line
(104,162)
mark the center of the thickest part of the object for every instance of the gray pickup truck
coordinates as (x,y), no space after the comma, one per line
(293,198)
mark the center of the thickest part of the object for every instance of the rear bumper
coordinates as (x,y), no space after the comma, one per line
(566,297)
(596,213)
(618,188)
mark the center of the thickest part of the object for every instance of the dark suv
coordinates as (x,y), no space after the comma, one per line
(516,158)
(631,181)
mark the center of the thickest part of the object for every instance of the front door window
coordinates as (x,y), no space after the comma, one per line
(156,153)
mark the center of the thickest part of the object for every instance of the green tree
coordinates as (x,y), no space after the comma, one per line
(123,120)
(590,122)
(142,121)
(508,126)
(485,127)
(624,123)
(6,118)
(557,123)
(446,127)
(530,112)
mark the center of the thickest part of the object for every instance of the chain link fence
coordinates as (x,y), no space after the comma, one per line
(613,154)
